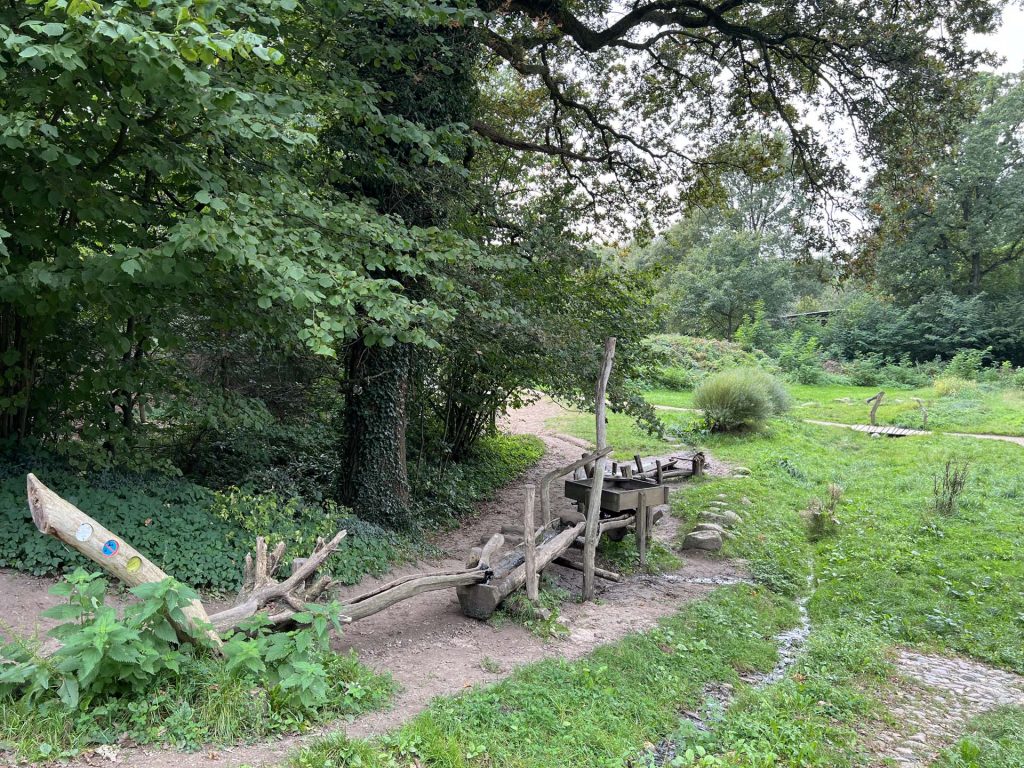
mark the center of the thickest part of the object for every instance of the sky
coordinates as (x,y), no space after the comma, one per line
(1008,42)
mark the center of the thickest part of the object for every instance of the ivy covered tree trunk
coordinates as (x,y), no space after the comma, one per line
(374,478)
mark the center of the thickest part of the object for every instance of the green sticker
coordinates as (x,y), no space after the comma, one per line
(133,564)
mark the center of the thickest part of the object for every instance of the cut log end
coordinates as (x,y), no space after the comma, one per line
(36,504)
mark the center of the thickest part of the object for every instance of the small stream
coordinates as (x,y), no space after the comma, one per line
(717,696)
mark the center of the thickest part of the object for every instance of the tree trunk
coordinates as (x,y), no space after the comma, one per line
(374,479)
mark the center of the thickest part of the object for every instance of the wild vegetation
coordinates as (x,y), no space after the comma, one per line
(275,269)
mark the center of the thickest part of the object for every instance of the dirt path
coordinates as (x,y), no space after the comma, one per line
(426,643)
(937,697)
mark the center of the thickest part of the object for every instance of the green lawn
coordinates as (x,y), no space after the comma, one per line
(895,573)
(987,409)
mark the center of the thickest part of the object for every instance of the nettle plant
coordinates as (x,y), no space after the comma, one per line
(104,658)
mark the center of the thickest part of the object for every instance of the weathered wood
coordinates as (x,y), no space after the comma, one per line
(261,589)
(877,400)
(659,472)
(61,519)
(641,529)
(530,546)
(594,502)
(567,562)
(554,474)
(480,557)
(479,601)
(639,463)
(366,605)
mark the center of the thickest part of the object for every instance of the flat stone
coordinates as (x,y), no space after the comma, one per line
(742,471)
(710,541)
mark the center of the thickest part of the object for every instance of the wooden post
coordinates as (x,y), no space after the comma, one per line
(627,471)
(639,463)
(877,400)
(592,530)
(659,473)
(530,541)
(641,528)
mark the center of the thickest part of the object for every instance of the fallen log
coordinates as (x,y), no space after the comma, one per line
(479,601)
(567,562)
(61,519)
(402,589)
(57,517)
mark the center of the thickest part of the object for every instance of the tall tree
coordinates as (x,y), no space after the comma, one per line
(960,227)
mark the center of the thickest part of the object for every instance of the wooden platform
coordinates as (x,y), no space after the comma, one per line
(888,431)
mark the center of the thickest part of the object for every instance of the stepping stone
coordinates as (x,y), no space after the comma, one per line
(709,541)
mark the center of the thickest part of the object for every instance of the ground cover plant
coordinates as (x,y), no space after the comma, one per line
(594,711)
(137,678)
(201,536)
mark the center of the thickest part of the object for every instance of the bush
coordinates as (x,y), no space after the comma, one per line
(875,370)
(951,386)
(741,397)
(967,363)
(800,358)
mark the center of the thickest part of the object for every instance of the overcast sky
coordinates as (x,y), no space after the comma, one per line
(1008,42)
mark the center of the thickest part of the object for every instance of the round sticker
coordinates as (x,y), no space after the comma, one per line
(133,564)
(84,532)
(110,548)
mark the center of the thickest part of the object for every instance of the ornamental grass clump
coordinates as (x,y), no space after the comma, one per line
(740,398)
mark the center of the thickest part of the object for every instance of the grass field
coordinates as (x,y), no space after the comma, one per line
(986,409)
(894,573)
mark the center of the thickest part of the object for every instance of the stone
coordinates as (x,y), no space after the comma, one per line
(710,541)
(742,471)
(726,518)
(721,504)
(716,528)
(745,501)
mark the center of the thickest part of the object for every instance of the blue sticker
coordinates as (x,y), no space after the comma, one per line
(110,548)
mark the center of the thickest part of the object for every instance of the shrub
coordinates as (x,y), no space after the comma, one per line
(691,359)
(822,519)
(967,363)
(800,358)
(741,397)
(950,386)
(135,675)
(948,487)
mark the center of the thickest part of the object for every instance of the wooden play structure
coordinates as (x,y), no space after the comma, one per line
(609,502)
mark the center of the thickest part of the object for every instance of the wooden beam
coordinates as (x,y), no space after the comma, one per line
(594,500)
(61,519)
(530,548)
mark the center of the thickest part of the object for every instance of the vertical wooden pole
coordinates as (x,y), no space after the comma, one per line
(659,473)
(530,539)
(593,530)
(877,399)
(642,519)
(627,471)
(639,463)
